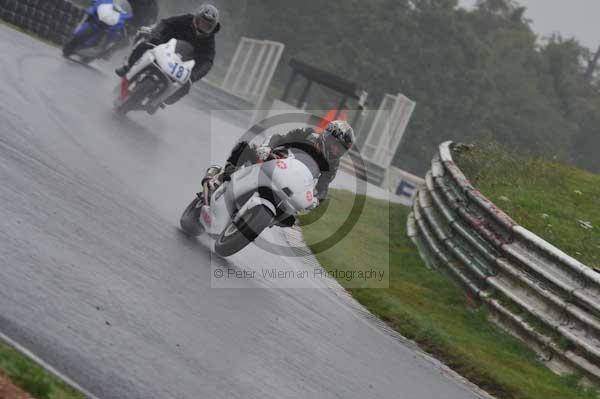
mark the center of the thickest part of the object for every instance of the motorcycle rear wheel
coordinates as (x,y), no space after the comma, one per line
(236,237)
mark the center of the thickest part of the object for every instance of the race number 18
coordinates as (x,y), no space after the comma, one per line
(177,71)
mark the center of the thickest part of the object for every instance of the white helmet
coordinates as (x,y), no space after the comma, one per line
(336,139)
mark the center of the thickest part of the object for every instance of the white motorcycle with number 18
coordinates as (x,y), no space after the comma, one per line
(156,76)
(258,196)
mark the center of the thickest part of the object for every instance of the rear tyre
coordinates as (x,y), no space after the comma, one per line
(236,237)
(77,41)
(190,220)
(71,46)
(141,90)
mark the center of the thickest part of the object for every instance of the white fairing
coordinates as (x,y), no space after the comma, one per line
(170,62)
(108,14)
(289,174)
(294,175)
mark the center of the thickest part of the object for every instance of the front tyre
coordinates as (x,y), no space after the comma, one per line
(237,236)
(190,219)
(141,91)
(71,46)
(78,40)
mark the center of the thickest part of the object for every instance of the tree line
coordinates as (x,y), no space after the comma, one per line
(480,73)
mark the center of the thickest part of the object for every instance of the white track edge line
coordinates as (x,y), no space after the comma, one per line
(32,356)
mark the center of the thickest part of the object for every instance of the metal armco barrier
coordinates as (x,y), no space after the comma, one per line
(53,20)
(534,290)
(368,171)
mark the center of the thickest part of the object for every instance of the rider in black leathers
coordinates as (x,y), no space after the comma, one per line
(198,30)
(325,150)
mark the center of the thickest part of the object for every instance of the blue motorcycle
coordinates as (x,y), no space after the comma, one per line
(100,31)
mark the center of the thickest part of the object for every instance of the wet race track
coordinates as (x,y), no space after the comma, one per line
(97,280)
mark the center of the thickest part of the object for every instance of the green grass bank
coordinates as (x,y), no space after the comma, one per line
(32,378)
(556,201)
(428,307)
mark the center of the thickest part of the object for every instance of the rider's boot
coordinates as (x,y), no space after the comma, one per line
(228,171)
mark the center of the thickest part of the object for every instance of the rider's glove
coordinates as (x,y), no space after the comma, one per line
(145,33)
(147,29)
(263,152)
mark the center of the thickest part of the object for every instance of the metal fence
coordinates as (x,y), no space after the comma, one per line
(379,137)
(252,68)
(240,95)
(534,290)
(387,129)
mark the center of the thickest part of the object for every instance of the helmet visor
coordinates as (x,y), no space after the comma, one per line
(204,25)
(335,147)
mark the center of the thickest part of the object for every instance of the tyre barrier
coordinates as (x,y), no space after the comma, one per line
(52,20)
(531,288)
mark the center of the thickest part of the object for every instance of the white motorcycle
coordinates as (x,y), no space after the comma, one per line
(258,196)
(156,76)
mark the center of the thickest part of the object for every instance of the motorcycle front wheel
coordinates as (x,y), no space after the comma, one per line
(72,45)
(77,41)
(141,90)
(238,235)
(190,219)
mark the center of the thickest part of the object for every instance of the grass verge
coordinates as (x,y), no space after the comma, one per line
(23,372)
(32,378)
(556,201)
(429,308)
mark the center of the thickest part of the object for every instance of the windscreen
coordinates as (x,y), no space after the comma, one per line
(123,6)
(185,50)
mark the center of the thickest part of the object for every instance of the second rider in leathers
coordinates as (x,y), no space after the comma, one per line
(199,30)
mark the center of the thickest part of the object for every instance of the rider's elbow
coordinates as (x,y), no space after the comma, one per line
(201,70)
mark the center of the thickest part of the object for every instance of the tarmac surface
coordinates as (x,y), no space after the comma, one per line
(97,280)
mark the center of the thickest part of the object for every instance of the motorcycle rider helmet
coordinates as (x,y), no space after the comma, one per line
(206,20)
(337,138)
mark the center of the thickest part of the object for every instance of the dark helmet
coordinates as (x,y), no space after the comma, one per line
(206,20)
(336,139)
